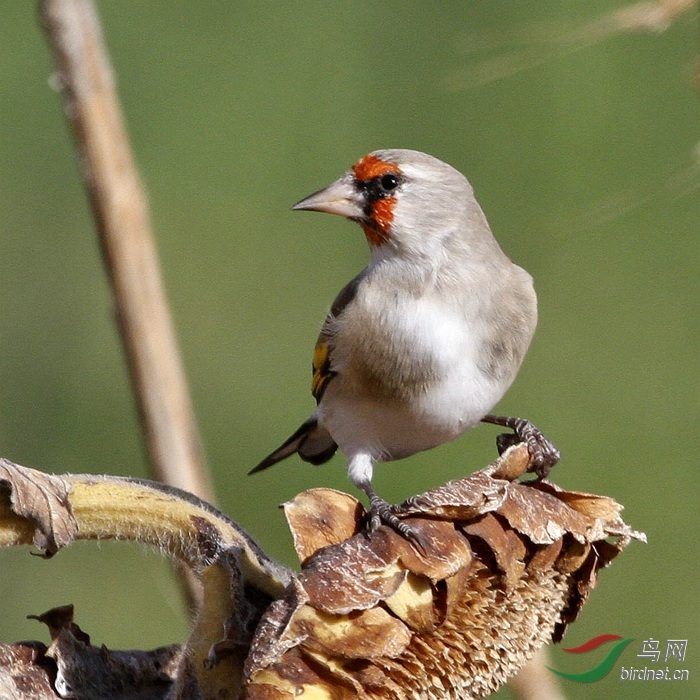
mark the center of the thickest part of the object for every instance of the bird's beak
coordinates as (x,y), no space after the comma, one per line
(341,198)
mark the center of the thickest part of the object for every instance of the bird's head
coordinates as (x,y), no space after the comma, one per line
(407,202)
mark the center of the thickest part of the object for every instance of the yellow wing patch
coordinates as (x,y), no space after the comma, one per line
(322,352)
(322,369)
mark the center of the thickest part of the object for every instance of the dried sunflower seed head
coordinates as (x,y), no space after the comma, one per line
(505,568)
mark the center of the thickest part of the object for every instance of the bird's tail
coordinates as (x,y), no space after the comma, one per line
(312,442)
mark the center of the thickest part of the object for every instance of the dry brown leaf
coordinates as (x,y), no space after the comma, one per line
(543,518)
(273,637)
(544,556)
(72,667)
(512,464)
(506,545)
(25,672)
(459,499)
(587,503)
(320,517)
(444,551)
(41,499)
(414,603)
(364,634)
(353,575)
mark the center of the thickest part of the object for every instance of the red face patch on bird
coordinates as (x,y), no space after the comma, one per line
(378,179)
(369,167)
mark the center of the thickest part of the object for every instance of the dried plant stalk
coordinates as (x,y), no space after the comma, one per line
(120,209)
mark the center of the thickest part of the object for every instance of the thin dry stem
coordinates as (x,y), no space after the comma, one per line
(534,681)
(121,214)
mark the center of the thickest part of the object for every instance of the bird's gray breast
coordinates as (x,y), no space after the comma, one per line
(395,346)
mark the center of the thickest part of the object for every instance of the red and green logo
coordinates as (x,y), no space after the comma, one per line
(603,668)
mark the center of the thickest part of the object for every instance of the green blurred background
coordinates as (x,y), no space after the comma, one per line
(581,138)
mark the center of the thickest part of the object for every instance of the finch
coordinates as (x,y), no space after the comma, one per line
(423,343)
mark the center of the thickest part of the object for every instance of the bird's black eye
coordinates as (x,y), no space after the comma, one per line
(389,182)
(378,187)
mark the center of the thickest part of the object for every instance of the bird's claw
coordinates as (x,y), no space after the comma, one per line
(543,454)
(381,513)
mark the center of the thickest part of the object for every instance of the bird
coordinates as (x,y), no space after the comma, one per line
(427,338)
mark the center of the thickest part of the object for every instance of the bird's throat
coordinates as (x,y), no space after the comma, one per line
(378,224)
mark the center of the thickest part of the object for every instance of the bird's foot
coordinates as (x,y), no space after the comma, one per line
(543,454)
(381,513)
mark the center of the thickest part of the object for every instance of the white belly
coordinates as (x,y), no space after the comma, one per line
(432,347)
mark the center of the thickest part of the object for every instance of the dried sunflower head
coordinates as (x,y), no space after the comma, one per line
(505,568)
